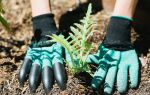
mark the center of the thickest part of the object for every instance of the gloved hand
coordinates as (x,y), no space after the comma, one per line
(43,57)
(45,61)
(116,58)
(114,63)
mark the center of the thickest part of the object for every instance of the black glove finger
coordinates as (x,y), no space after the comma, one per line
(34,77)
(47,78)
(24,71)
(60,75)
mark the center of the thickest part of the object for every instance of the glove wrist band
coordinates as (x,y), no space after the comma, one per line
(118,34)
(43,25)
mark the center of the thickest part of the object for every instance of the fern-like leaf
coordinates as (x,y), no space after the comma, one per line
(78,48)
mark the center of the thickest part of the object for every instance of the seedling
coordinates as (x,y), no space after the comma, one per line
(78,48)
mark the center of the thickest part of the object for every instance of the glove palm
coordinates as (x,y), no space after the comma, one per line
(112,63)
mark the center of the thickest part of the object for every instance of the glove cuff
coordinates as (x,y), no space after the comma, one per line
(43,25)
(118,34)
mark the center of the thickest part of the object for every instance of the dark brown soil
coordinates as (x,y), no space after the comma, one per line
(13,46)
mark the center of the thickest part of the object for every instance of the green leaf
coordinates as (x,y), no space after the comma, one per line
(4,23)
(79,26)
(76,31)
(2,20)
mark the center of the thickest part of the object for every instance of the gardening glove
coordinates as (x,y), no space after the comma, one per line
(116,58)
(43,57)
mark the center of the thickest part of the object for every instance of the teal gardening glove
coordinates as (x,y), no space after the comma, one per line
(43,57)
(116,58)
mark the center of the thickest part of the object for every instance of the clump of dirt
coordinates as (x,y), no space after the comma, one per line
(14,44)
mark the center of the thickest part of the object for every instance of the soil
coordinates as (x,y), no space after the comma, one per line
(14,44)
